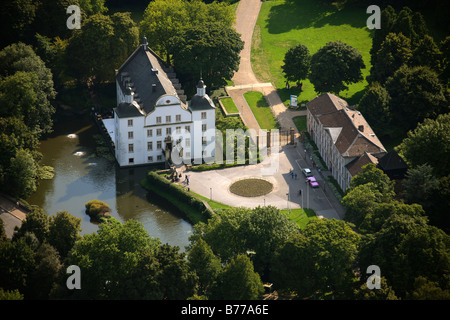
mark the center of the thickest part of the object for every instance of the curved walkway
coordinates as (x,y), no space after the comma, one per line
(245,80)
(215,183)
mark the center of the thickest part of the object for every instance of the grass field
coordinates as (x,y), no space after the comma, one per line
(229,105)
(283,24)
(261,110)
(299,216)
(300,123)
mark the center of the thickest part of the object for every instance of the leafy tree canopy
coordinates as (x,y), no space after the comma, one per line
(297,63)
(335,66)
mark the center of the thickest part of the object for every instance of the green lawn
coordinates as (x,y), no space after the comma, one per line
(283,24)
(300,217)
(261,110)
(300,123)
(229,105)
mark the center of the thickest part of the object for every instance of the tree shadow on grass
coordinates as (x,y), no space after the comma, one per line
(293,15)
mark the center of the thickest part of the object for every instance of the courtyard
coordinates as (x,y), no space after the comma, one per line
(215,184)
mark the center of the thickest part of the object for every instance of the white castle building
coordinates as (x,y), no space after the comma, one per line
(152,120)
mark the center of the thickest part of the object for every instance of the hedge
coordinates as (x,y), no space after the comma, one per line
(166,187)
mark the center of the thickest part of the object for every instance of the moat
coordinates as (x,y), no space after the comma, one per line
(82,175)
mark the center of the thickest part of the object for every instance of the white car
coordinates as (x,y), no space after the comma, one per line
(307,172)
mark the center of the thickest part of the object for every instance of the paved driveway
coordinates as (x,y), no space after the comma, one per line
(215,184)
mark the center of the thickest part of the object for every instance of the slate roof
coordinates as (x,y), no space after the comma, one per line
(148,78)
(201,103)
(350,132)
(392,161)
(354,167)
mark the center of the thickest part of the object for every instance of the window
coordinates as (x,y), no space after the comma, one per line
(168,119)
(149,132)
(150,159)
(130,148)
(168,131)
(203,127)
(130,135)
(149,146)
(130,160)
(203,115)
(130,122)
(158,132)
(178,118)
(204,141)
(159,158)
(158,145)
(158,119)
(178,130)
(187,128)
(188,142)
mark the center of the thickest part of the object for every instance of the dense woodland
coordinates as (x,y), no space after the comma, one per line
(401,226)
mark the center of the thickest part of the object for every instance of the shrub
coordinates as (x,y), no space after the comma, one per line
(97,209)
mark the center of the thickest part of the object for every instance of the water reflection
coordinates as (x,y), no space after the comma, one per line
(81,176)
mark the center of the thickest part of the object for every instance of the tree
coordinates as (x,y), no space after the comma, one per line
(370,173)
(210,50)
(46,270)
(14,136)
(335,66)
(176,280)
(427,53)
(420,183)
(26,88)
(416,93)
(428,143)
(360,201)
(16,17)
(381,248)
(427,290)
(206,265)
(22,174)
(110,257)
(445,59)
(239,281)
(37,223)
(374,219)
(99,47)
(384,293)
(387,20)
(264,231)
(374,105)
(293,267)
(91,7)
(16,263)
(334,246)
(440,208)
(64,231)
(163,20)
(394,52)
(222,233)
(423,252)
(297,63)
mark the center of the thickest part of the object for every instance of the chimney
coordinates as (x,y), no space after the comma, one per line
(144,43)
(361,128)
(129,95)
(153,87)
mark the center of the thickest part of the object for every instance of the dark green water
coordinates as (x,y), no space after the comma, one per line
(81,176)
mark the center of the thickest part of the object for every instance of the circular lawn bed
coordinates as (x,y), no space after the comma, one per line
(251,187)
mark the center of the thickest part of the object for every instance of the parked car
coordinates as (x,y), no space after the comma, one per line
(313,182)
(307,172)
